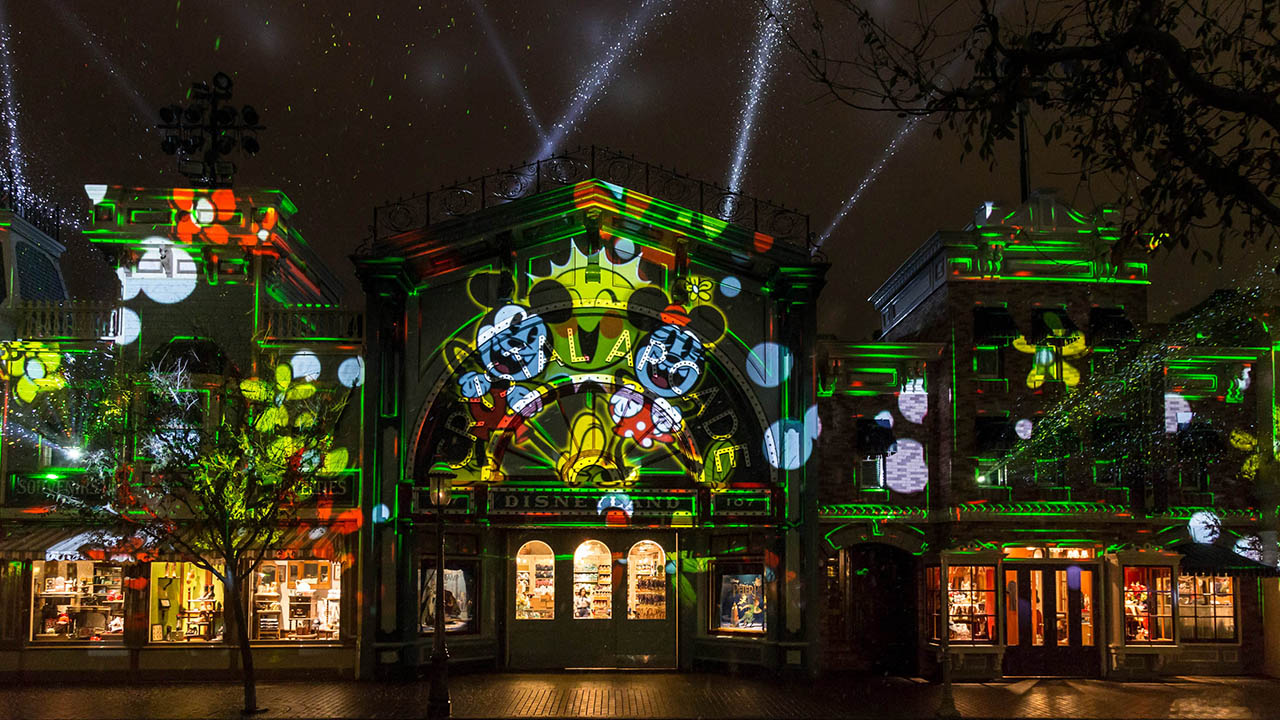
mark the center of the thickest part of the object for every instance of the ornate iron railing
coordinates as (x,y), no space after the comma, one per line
(584,163)
(288,324)
(65,319)
(45,218)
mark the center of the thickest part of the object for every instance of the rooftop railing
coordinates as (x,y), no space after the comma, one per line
(585,163)
(65,319)
(303,323)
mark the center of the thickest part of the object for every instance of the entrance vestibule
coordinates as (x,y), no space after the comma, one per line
(600,598)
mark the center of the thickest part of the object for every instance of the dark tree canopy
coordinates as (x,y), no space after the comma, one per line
(1170,107)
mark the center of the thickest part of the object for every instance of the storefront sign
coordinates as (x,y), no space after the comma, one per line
(586,503)
(340,490)
(33,490)
(737,504)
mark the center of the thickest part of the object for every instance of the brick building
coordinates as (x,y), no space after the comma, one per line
(1087,483)
(221,282)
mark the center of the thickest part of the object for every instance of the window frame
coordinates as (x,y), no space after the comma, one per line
(933,603)
(462,564)
(1125,593)
(742,566)
(1213,617)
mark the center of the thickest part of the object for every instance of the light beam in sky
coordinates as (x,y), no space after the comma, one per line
(768,40)
(889,151)
(602,71)
(15,165)
(499,51)
(87,38)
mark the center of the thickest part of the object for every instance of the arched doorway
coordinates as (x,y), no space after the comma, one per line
(871,610)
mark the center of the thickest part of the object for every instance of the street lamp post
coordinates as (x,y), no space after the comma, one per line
(438,703)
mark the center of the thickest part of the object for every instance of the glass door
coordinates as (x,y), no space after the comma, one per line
(1050,620)
(647,632)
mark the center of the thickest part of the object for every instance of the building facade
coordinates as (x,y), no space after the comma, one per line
(620,385)
(219,282)
(1053,485)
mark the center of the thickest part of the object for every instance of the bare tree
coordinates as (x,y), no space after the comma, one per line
(216,470)
(1170,107)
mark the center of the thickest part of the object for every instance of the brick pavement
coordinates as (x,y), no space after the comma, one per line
(656,695)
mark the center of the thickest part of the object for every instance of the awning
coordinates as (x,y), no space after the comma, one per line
(1202,559)
(993,324)
(31,541)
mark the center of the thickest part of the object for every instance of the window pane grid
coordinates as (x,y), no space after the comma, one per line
(1206,608)
(971,603)
(1148,605)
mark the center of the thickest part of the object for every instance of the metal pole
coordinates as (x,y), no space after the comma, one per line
(438,703)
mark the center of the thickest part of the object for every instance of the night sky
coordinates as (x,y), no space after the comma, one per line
(364,104)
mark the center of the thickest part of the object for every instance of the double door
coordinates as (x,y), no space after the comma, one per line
(591,599)
(1051,623)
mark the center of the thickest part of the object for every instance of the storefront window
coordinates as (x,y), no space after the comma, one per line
(535,582)
(297,600)
(77,600)
(1086,607)
(459,597)
(1148,605)
(742,601)
(592,581)
(971,603)
(186,604)
(1206,608)
(1011,607)
(646,582)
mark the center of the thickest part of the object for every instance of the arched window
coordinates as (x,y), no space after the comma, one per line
(646,582)
(535,582)
(592,581)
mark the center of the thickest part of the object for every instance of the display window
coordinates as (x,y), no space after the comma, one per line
(1206,608)
(971,603)
(741,606)
(297,600)
(186,604)
(77,601)
(459,597)
(535,582)
(1148,605)
(592,581)
(646,582)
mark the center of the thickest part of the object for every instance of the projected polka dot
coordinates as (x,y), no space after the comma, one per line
(306,366)
(787,445)
(130,328)
(812,422)
(351,372)
(380,513)
(624,249)
(1204,527)
(730,287)
(913,406)
(769,364)
(905,470)
(1023,428)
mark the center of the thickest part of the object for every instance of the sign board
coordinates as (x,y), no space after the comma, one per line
(586,504)
(741,504)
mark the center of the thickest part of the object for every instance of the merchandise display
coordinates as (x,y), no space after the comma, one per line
(78,601)
(297,600)
(592,581)
(646,582)
(535,582)
(1148,605)
(742,603)
(971,603)
(459,594)
(186,603)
